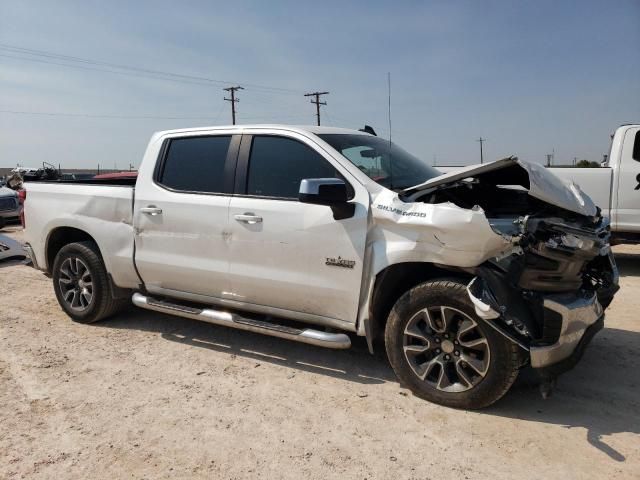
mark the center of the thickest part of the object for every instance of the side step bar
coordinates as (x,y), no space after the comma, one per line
(233,320)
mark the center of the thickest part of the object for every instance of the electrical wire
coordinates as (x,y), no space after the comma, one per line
(91,115)
(256,94)
(127,69)
(152,116)
(82,67)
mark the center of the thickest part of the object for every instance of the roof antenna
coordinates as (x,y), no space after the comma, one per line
(390,157)
(389,90)
(368,129)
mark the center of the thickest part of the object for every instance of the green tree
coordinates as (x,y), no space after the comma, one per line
(587,164)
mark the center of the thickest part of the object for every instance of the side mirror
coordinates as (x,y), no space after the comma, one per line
(331,192)
(323,191)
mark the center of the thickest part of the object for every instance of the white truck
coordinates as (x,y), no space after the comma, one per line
(615,186)
(313,233)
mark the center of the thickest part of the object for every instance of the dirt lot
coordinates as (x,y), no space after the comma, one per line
(145,395)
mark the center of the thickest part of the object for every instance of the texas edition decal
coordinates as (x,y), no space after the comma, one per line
(340,262)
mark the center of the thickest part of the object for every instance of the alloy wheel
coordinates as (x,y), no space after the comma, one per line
(76,284)
(446,349)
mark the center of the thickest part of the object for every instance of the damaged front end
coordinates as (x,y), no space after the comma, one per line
(549,296)
(549,291)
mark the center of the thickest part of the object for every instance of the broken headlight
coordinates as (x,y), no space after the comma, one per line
(568,240)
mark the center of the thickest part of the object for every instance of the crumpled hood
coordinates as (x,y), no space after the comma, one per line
(540,183)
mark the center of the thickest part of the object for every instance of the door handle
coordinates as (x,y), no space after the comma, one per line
(151,210)
(248,217)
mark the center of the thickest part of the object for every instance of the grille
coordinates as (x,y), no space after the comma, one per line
(8,204)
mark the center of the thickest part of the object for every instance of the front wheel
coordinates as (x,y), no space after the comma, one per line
(82,285)
(443,352)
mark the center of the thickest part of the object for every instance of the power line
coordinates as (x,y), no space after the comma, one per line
(271,118)
(148,72)
(82,67)
(317,102)
(69,58)
(268,99)
(215,119)
(51,58)
(481,140)
(233,100)
(140,117)
(330,122)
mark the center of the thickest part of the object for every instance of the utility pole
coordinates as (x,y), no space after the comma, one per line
(481,140)
(317,102)
(233,100)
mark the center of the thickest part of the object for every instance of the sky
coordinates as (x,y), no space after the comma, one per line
(531,77)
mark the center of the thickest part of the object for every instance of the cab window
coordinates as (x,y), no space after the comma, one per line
(278,164)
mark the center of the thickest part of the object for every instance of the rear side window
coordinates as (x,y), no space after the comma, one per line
(195,164)
(278,164)
(636,147)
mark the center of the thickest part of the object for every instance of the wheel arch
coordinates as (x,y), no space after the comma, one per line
(61,236)
(391,283)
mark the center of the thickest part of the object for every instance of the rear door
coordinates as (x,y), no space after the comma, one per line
(286,257)
(181,214)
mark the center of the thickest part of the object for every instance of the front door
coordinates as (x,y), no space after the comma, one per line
(289,255)
(181,213)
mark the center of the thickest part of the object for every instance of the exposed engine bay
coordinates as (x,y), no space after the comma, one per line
(547,293)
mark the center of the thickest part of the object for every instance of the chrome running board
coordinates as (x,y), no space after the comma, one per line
(233,320)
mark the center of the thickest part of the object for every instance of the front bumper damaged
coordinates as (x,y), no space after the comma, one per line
(577,314)
(568,323)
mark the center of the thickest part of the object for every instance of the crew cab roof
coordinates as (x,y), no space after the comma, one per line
(304,129)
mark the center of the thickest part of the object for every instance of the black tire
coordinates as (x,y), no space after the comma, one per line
(102,304)
(495,358)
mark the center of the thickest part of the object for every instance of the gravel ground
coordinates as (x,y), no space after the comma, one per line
(145,395)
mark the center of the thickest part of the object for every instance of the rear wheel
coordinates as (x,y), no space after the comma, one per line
(443,352)
(82,285)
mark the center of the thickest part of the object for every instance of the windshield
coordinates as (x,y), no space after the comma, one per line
(393,168)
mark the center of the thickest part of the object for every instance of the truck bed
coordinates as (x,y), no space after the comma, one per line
(118,181)
(595,182)
(102,209)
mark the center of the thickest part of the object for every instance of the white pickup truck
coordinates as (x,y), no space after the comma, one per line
(615,187)
(314,233)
